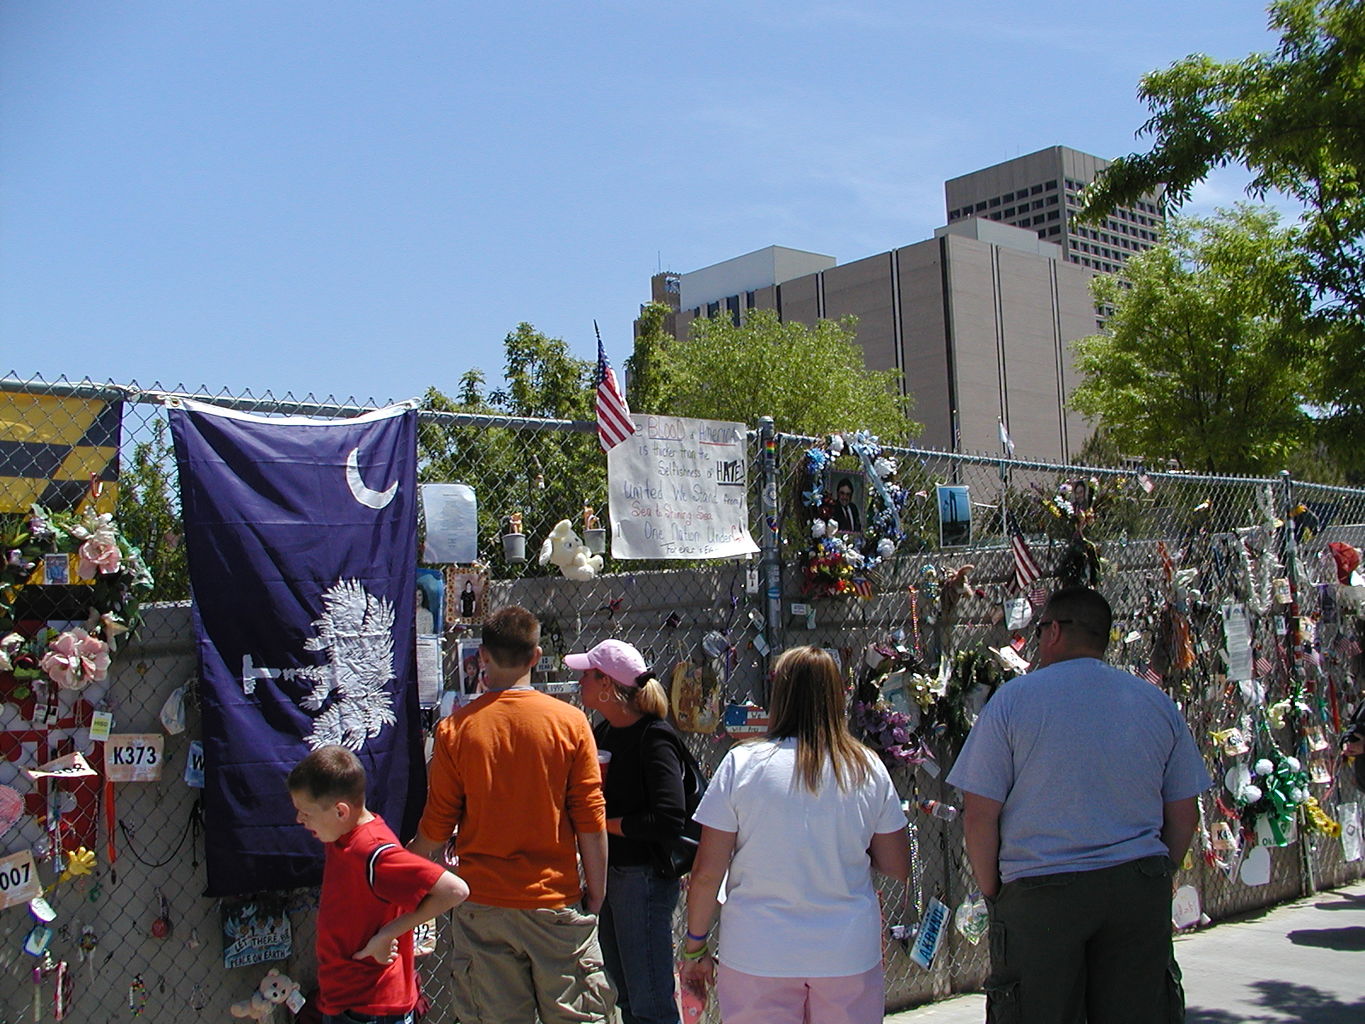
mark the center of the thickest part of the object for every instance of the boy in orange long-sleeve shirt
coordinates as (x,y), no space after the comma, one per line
(514,778)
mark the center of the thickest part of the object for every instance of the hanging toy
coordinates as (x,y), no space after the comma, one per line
(275,988)
(565,549)
(79,863)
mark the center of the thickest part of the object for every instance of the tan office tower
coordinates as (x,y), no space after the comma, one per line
(1040,193)
(979,320)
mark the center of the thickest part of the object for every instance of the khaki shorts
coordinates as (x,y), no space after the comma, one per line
(510,965)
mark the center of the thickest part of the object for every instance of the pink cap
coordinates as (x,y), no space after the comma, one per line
(614,658)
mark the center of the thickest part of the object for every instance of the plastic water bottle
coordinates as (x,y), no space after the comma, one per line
(947,812)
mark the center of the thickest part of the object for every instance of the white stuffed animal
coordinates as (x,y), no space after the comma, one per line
(274,989)
(565,549)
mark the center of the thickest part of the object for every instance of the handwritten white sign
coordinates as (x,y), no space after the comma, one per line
(678,489)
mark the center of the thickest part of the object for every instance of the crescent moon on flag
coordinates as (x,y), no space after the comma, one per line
(361,493)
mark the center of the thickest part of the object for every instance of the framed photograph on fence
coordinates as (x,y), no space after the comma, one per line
(471,672)
(847,491)
(466,593)
(954,515)
(431,587)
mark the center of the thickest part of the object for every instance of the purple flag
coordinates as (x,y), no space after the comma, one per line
(301,536)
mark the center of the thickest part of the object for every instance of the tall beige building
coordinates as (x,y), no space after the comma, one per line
(978,320)
(1040,192)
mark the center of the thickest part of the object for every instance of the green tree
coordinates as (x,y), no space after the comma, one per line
(542,378)
(647,385)
(544,476)
(1295,118)
(810,380)
(148,513)
(1191,366)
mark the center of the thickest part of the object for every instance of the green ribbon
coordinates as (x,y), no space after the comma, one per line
(1279,787)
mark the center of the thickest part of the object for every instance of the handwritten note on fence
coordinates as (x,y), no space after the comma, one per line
(678,489)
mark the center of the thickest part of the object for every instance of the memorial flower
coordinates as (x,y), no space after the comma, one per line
(98,555)
(75,659)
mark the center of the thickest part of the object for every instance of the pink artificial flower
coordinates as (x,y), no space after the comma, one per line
(98,554)
(75,659)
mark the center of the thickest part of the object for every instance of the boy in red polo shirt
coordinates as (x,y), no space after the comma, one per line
(373,894)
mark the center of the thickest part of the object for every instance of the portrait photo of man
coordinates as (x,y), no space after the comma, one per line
(847,510)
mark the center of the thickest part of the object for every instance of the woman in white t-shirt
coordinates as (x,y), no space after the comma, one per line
(799,820)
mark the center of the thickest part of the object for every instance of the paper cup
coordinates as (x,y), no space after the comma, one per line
(603,760)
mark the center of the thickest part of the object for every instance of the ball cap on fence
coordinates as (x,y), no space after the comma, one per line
(614,658)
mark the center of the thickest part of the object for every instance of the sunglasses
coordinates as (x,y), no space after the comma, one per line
(1038,629)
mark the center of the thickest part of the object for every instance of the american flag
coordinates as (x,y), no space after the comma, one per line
(614,424)
(863,588)
(1152,675)
(1026,569)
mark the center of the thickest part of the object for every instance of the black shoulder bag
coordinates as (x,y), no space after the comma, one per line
(672,858)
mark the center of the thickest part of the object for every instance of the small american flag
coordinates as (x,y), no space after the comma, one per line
(1261,667)
(863,588)
(1037,595)
(614,424)
(1026,571)
(1151,675)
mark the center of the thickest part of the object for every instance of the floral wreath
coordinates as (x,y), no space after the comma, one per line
(937,706)
(104,559)
(1073,507)
(836,563)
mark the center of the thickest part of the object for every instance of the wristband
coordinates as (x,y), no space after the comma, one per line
(697,938)
(696,954)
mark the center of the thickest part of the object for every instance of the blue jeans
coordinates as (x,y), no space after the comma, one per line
(351,1017)
(636,929)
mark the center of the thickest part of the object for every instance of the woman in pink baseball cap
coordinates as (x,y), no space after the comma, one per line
(643,787)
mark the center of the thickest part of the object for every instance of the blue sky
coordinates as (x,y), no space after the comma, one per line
(364,198)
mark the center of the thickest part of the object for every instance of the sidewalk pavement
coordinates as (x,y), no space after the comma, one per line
(1297,963)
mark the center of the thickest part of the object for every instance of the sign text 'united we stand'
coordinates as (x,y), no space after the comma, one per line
(678,489)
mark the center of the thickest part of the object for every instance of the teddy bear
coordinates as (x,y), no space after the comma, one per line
(564,548)
(274,989)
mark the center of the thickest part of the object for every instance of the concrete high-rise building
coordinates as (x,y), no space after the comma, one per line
(978,320)
(1040,193)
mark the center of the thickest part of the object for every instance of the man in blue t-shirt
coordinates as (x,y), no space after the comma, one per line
(1080,785)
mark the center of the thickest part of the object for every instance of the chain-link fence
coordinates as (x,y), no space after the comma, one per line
(1176,554)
